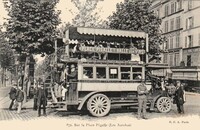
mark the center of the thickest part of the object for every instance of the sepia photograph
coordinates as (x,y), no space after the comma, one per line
(99,64)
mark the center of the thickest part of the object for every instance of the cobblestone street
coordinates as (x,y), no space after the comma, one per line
(191,108)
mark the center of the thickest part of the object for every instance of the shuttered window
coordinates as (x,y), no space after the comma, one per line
(171,42)
(190,41)
(178,22)
(166,26)
(177,40)
(172,8)
(166,10)
(199,38)
(171,24)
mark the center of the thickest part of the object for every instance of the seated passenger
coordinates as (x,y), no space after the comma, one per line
(135,57)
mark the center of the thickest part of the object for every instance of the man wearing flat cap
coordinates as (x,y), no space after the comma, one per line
(179,97)
(142,99)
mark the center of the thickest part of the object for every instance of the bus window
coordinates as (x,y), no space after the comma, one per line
(87,72)
(101,72)
(137,73)
(125,72)
(113,73)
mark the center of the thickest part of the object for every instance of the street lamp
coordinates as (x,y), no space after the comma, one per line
(142,43)
(142,46)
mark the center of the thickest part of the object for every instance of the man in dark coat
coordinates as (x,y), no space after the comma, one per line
(42,99)
(179,97)
(35,98)
(12,94)
(73,75)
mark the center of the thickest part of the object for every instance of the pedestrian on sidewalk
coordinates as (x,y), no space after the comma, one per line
(42,99)
(19,98)
(179,97)
(12,95)
(35,97)
(142,100)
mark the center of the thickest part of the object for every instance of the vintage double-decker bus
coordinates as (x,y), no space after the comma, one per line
(103,68)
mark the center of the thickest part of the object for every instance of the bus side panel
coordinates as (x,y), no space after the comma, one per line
(88,86)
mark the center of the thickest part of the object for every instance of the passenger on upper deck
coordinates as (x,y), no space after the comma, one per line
(134,56)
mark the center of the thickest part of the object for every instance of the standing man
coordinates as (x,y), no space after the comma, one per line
(35,97)
(179,97)
(19,98)
(42,99)
(73,75)
(142,100)
(12,94)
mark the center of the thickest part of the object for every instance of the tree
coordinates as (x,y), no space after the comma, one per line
(87,15)
(31,27)
(135,15)
(7,61)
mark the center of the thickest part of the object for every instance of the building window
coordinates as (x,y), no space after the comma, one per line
(190,41)
(177,40)
(189,22)
(166,26)
(190,4)
(199,38)
(165,58)
(158,12)
(171,59)
(171,24)
(171,42)
(179,5)
(167,44)
(176,59)
(172,7)
(178,22)
(166,10)
(189,60)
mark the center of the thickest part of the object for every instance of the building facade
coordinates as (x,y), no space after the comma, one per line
(181,27)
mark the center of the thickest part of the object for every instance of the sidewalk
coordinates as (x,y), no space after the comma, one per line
(5,102)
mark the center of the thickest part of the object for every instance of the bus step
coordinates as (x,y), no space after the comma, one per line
(61,109)
(124,101)
(124,104)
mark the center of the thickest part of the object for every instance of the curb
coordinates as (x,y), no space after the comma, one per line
(190,93)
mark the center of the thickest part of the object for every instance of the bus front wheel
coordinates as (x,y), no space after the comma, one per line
(99,105)
(163,104)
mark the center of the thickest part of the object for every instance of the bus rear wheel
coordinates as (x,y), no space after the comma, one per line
(99,105)
(163,104)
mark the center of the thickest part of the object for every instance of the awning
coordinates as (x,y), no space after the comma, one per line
(82,34)
(110,32)
(157,66)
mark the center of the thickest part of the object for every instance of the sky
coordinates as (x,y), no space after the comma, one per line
(107,7)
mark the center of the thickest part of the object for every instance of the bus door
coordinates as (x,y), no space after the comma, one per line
(72,94)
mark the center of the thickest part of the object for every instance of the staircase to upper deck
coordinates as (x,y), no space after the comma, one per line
(51,99)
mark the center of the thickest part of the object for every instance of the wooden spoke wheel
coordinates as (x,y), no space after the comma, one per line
(99,105)
(163,104)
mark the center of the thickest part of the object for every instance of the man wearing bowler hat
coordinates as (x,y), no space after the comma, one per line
(42,99)
(142,99)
